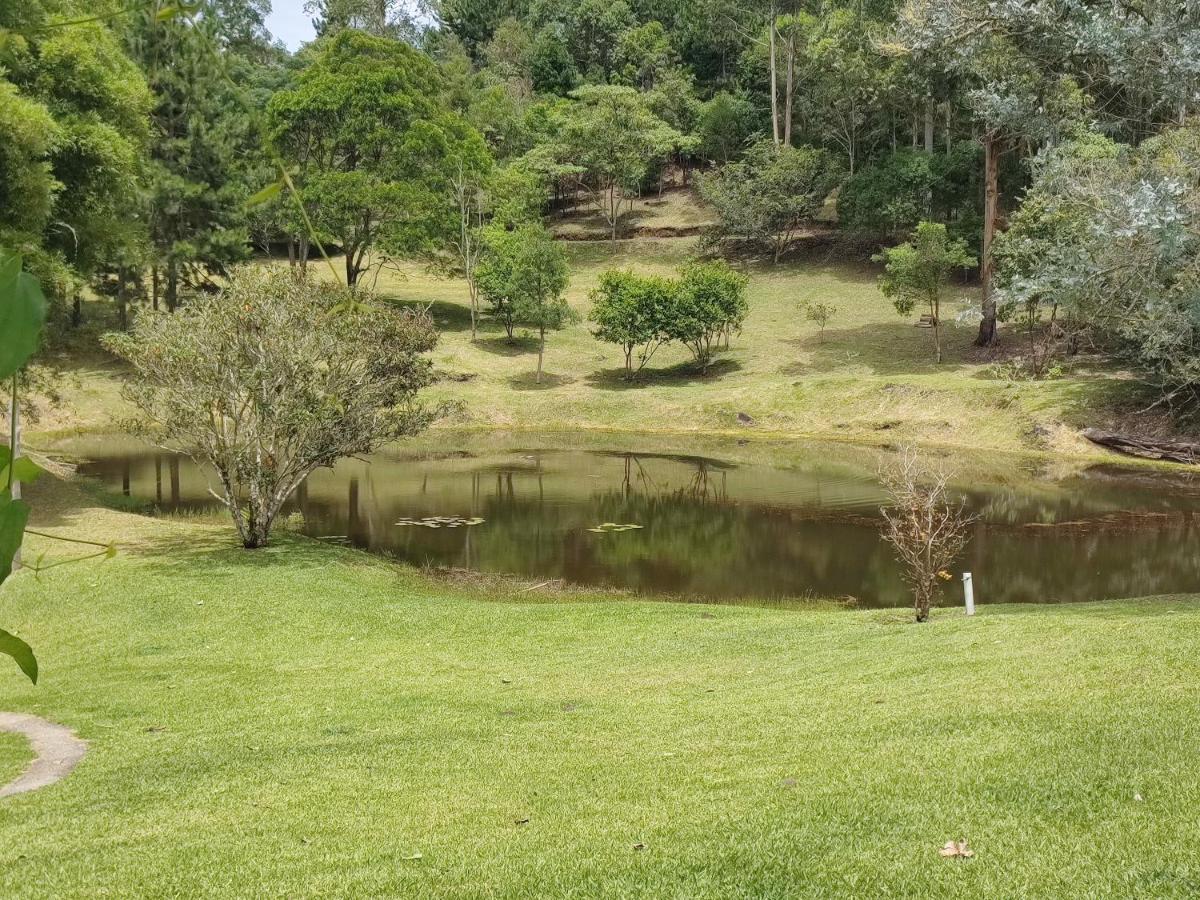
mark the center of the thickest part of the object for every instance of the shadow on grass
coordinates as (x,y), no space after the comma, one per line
(220,555)
(679,374)
(894,348)
(503,345)
(447,316)
(527,381)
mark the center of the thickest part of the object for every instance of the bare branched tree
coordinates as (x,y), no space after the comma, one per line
(926,528)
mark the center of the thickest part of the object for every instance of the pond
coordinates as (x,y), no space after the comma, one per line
(725,522)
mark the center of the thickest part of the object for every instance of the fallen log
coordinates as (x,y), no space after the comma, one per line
(1146,448)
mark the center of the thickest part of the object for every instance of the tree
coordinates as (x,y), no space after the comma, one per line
(917,270)
(455,242)
(523,274)
(383,18)
(726,123)
(74,117)
(634,311)
(273,378)
(710,304)
(194,210)
(766,197)
(927,531)
(819,314)
(551,67)
(1110,235)
(614,138)
(373,142)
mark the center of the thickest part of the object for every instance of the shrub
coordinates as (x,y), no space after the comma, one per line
(710,303)
(274,377)
(634,311)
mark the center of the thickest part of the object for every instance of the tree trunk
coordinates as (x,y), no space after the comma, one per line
(154,287)
(351,270)
(172,286)
(774,81)
(929,126)
(291,251)
(541,353)
(76,311)
(788,90)
(991,215)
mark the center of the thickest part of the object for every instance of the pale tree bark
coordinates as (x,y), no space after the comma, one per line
(774,80)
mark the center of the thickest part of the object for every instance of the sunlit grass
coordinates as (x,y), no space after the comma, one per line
(871,377)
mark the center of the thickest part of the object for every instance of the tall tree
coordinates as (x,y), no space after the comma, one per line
(372,139)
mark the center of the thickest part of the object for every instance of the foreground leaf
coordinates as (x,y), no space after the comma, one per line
(21,652)
(13,516)
(22,314)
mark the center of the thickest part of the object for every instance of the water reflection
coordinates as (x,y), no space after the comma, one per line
(715,530)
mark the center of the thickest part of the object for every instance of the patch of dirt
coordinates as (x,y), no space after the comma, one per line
(56,752)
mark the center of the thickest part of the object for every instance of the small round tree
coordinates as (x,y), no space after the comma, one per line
(274,377)
(633,311)
(523,274)
(710,304)
(916,271)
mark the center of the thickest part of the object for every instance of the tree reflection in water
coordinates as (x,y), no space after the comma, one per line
(714,531)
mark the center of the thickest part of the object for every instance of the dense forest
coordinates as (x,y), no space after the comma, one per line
(146,148)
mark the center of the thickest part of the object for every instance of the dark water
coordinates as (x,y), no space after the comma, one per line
(716,528)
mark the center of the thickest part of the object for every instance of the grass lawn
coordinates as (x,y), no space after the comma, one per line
(870,378)
(310,721)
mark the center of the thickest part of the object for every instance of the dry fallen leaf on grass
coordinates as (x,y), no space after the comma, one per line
(956,848)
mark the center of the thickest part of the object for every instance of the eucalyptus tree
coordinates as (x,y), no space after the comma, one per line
(1032,72)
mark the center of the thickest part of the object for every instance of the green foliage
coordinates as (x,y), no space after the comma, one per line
(22,315)
(917,270)
(769,195)
(635,312)
(551,67)
(1109,235)
(374,144)
(522,275)
(274,377)
(710,304)
(898,190)
(726,124)
(611,135)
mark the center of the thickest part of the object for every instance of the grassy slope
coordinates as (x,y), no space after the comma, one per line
(870,378)
(300,721)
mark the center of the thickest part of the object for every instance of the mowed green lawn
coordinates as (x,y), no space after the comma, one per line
(310,721)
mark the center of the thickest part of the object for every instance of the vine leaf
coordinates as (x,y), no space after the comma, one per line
(22,314)
(21,652)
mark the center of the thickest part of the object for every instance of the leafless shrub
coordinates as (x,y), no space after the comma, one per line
(924,526)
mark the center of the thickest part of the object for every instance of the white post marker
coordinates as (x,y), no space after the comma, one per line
(969,591)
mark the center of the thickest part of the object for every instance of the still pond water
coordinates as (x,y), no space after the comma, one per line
(731,524)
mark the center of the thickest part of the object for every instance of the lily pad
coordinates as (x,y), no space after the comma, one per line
(442,522)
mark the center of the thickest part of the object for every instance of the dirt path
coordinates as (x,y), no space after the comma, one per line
(56,752)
